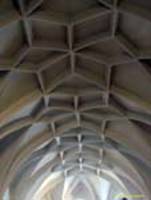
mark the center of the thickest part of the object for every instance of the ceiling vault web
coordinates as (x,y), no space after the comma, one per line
(79,65)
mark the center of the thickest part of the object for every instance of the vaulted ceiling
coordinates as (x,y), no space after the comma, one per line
(71,66)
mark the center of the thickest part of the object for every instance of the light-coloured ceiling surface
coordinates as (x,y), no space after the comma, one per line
(71,66)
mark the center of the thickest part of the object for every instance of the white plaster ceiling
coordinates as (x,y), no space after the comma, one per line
(65,65)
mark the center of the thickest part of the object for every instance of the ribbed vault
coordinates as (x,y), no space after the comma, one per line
(74,72)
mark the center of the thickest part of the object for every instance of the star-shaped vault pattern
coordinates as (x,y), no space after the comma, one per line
(76,64)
